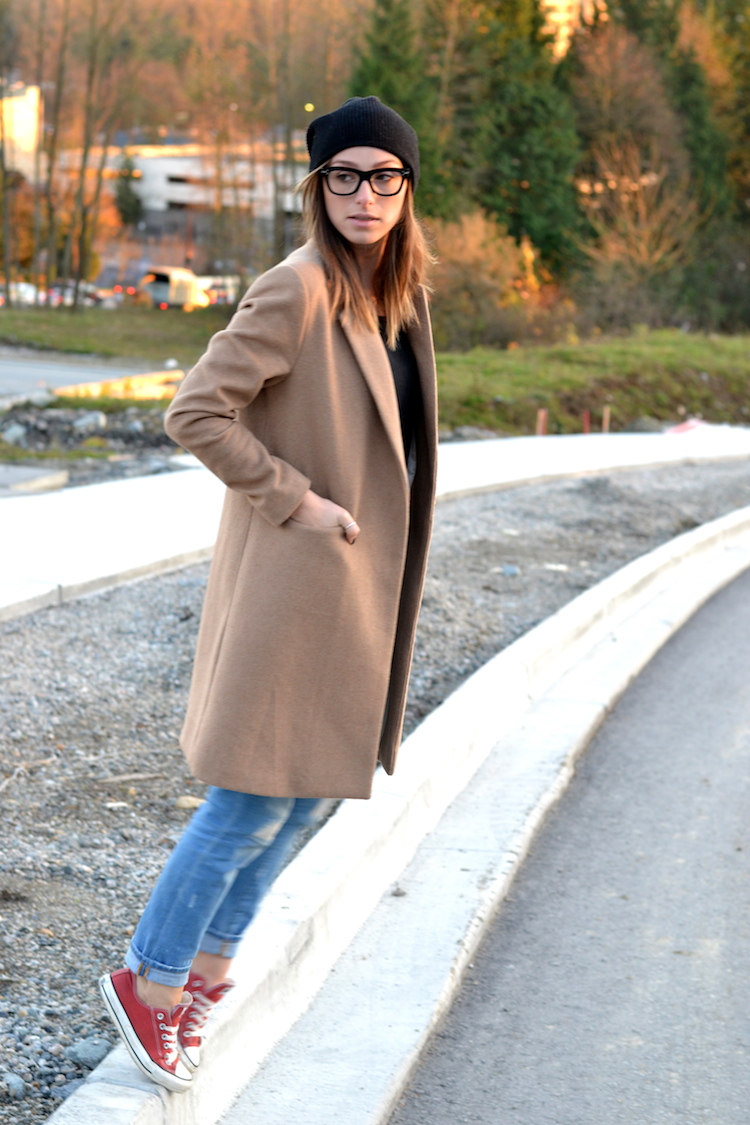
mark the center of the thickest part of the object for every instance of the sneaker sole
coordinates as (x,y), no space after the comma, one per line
(136,1050)
(191,1066)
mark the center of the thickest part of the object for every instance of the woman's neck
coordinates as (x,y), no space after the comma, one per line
(368,260)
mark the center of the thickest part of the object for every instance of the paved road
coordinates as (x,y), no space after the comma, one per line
(20,375)
(615,985)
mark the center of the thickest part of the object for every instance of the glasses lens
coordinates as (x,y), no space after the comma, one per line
(343,181)
(387,181)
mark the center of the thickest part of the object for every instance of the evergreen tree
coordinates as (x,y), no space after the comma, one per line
(524,146)
(495,130)
(389,64)
(532,155)
(654,22)
(705,141)
(127,200)
(731,23)
(392,67)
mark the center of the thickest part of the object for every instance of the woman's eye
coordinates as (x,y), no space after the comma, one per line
(342,177)
(386,176)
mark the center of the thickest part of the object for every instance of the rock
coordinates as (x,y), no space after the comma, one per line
(187,801)
(473,433)
(14,434)
(91,420)
(41,398)
(70,1087)
(645,425)
(15,1086)
(509,570)
(89,1052)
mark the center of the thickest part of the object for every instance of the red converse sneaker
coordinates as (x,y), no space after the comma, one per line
(190,1035)
(150,1034)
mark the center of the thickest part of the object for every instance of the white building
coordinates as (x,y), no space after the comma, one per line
(187,188)
(21,109)
(179,177)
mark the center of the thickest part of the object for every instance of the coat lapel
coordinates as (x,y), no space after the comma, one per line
(372,359)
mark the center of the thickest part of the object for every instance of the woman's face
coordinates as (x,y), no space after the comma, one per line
(364,218)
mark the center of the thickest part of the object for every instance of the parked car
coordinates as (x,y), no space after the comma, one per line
(59,294)
(21,293)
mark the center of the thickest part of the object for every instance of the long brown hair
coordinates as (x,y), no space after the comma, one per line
(398,277)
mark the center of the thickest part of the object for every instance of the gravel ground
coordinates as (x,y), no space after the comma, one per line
(92,695)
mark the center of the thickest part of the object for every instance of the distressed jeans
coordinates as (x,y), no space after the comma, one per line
(215,879)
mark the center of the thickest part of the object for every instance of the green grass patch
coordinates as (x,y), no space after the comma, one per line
(150,335)
(13,454)
(105,404)
(663,374)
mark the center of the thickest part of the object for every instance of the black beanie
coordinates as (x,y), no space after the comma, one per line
(363,121)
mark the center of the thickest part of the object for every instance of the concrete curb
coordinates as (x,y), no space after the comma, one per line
(132,528)
(149,525)
(527,714)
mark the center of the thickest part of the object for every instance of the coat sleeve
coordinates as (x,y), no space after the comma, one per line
(259,346)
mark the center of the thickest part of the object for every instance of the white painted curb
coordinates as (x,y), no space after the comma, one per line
(62,545)
(566,671)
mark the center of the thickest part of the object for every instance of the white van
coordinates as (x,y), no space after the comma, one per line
(174,287)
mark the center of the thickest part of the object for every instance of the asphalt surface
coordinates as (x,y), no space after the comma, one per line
(20,375)
(615,983)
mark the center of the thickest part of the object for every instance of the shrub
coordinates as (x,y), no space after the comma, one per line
(489,290)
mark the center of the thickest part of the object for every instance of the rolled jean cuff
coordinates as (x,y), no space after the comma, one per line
(154,971)
(220,946)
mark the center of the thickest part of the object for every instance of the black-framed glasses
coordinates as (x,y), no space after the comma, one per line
(383,181)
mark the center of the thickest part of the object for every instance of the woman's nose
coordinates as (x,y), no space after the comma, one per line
(364,192)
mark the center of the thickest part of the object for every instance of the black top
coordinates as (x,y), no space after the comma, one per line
(406,380)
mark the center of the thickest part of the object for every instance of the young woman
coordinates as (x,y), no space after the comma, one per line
(316,407)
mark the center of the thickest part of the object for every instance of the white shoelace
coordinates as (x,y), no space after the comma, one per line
(199,1010)
(169,1039)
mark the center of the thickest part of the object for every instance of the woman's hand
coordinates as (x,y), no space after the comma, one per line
(316,511)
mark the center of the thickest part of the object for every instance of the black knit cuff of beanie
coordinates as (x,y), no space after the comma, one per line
(363,121)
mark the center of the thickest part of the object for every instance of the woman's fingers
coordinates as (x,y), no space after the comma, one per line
(317,511)
(349,526)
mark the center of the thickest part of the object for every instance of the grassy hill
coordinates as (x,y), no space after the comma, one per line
(664,374)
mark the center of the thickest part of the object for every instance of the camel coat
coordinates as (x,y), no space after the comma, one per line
(303,657)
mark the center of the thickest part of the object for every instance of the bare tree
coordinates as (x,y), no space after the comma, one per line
(53,144)
(8,40)
(115,42)
(41,30)
(620,97)
(644,224)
